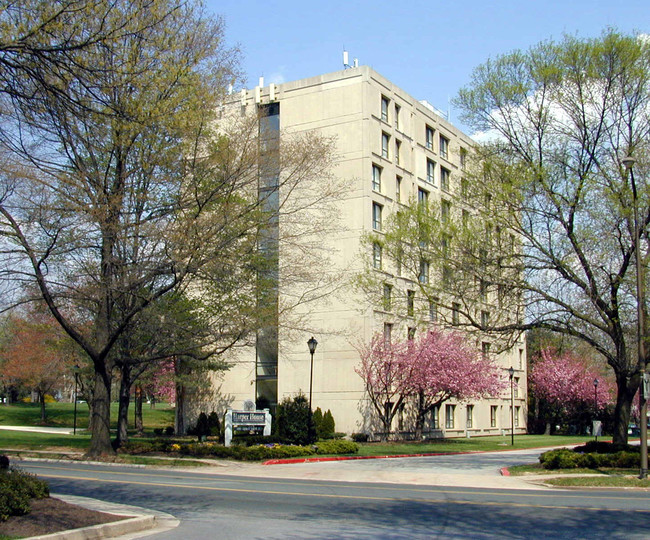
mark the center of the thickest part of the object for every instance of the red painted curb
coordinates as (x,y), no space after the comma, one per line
(504,471)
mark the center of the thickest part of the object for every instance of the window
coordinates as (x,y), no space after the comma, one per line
(464,187)
(485,350)
(445,211)
(470,416)
(482,291)
(433,310)
(493,415)
(429,137)
(410,303)
(384,108)
(376,256)
(388,296)
(431,171)
(445,239)
(449,416)
(397,111)
(517,416)
(410,333)
(423,276)
(435,417)
(455,313)
(398,189)
(388,332)
(423,196)
(465,219)
(444,146)
(447,276)
(516,387)
(463,158)
(485,318)
(521,358)
(385,141)
(376,178)
(444,178)
(398,146)
(376,216)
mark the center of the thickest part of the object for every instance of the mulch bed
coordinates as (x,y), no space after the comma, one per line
(53,515)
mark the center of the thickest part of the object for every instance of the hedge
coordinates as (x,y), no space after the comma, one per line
(240,452)
(17,489)
(564,458)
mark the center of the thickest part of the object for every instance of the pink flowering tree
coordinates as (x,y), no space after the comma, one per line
(438,366)
(565,385)
(385,375)
(441,366)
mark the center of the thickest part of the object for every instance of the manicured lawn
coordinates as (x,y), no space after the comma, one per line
(474,444)
(62,415)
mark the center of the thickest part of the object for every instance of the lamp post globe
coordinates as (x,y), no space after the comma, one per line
(311,343)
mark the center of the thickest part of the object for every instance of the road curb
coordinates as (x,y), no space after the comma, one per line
(504,471)
(105,530)
(136,520)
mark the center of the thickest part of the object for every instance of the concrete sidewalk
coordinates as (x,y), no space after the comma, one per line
(36,429)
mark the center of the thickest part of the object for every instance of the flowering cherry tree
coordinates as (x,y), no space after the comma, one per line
(428,371)
(385,374)
(442,365)
(566,383)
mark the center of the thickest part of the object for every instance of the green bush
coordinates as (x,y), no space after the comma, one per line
(564,458)
(360,437)
(336,447)
(17,489)
(294,421)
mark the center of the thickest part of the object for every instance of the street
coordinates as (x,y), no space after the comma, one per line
(235,506)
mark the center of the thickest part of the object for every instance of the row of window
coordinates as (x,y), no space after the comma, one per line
(445,179)
(429,134)
(450,416)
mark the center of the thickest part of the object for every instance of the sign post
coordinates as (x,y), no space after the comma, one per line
(251,422)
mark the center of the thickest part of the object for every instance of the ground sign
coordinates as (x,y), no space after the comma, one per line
(247,422)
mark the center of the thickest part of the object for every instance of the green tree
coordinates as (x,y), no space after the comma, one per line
(554,230)
(294,421)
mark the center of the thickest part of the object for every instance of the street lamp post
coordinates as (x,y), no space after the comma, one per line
(595,408)
(511,372)
(312,349)
(628,163)
(76,385)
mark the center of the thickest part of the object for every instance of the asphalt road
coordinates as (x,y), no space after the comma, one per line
(228,506)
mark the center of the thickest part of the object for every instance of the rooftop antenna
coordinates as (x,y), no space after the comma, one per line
(346,60)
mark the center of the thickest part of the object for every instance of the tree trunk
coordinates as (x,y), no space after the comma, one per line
(547,430)
(419,419)
(123,408)
(100,420)
(139,424)
(179,411)
(41,399)
(627,389)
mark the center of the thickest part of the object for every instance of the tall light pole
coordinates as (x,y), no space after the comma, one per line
(595,408)
(312,349)
(628,163)
(76,385)
(511,372)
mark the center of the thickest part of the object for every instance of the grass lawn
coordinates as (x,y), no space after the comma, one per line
(473,444)
(605,477)
(62,415)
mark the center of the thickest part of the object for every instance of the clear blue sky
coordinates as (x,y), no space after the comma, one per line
(428,48)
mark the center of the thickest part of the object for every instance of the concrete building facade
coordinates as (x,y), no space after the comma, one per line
(390,148)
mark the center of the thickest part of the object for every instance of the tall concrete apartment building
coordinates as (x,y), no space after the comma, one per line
(390,148)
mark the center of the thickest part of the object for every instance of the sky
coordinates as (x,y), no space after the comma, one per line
(428,48)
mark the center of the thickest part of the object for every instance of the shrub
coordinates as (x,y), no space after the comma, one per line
(17,489)
(360,437)
(564,458)
(336,447)
(169,431)
(202,426)
(294,421)
(214,424)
